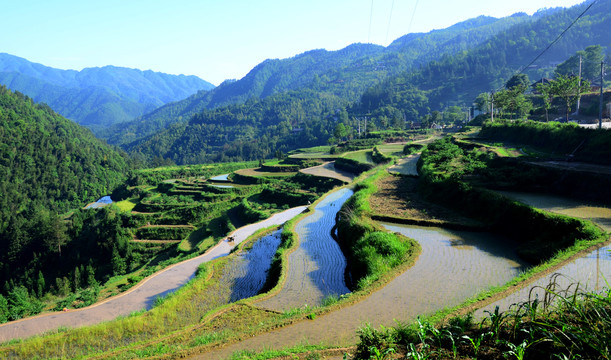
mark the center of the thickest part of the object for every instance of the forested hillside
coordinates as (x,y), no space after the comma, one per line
(345,73)
(255,130)
(260,128)
(48,165)
(97,97)
(457,80)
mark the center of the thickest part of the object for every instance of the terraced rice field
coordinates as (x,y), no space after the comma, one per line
(328,170)
(144,294)
(257,172)
(363,156)
(453,266)
(591,272)
(406,166)
(395,149)
(316,268)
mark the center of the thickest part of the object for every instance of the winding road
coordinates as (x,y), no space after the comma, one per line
(141,296)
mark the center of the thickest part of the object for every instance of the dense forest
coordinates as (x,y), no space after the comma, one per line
(250,131)
(48,165)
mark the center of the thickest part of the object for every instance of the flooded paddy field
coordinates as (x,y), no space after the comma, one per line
(316,268)
(591,272)
(598,213)
(328,170)
(248,271)
(453,266)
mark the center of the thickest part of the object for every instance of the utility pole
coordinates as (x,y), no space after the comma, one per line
(602,85)
(579,88)
(492,106)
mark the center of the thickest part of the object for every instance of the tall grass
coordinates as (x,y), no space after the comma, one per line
(567,324)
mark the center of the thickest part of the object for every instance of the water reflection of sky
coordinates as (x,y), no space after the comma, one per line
(224,177)
(101,202)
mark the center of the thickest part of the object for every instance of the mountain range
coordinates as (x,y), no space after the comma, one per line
(344,73)
(97,97)
(255,119)
(283,103)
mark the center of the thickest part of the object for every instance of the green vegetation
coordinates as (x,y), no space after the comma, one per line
(562,140)
(445,168)
(370,251)
(562,325)
(343,75)
(49,165)
(318,106)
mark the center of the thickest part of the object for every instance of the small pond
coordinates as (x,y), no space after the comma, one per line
(101,202)
(224,177)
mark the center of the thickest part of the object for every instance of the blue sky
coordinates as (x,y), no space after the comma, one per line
(220,39)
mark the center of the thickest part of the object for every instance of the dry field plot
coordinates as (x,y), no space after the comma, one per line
(398,197)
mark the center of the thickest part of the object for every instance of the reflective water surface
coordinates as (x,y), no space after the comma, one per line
(316,268)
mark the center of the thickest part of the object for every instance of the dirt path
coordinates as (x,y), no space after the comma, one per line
(141,296)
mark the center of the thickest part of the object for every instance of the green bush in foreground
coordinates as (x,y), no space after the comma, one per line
(370,252)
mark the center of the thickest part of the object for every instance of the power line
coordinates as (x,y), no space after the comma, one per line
(370,21)
(555,41)
(409,29)
(392,6)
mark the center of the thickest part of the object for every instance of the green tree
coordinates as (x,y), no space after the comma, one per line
(567,87)
(55,236)
(4,311)
(591,58)
(513,100)
(340,131)
(518,80)
(40,284)
(118,263)
(547,94)
(91,281)
(482,102)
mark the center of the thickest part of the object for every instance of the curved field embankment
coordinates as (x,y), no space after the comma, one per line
(590,272)
(453,266)
(141,296)
(316,268)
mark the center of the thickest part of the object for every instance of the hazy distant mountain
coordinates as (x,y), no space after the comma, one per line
(97,97)
(345,73)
